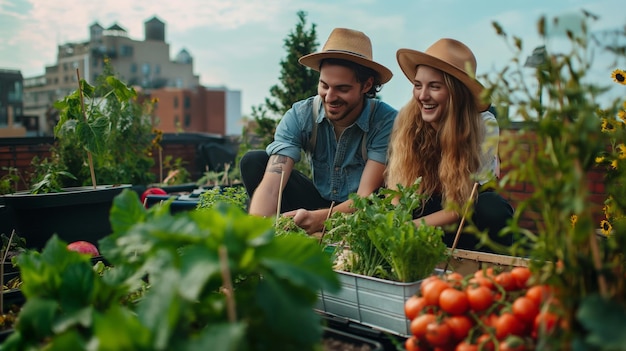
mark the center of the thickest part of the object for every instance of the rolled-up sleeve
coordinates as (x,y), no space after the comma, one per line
(288,139)
(380,133)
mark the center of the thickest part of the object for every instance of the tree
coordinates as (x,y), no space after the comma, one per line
(297,82)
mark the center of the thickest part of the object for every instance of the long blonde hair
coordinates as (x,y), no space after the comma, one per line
(445,158)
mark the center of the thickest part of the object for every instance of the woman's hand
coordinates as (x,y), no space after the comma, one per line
(310,221)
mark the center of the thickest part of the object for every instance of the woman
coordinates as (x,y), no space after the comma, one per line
(446,136)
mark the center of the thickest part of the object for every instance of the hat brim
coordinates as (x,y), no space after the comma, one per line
(313,61)
(409,59)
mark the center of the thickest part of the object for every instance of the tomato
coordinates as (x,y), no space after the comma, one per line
(413,306)
(419,324)
(485,342)
(479,298)
(460,325)
(539,294)
(466,346)
(432,291)
(525,309)
(412,344)
(507,324)
(455,279)
(427,281)
(521,276)
(545,323)
(506,281)
(438,333)
(489,320)
(453,301)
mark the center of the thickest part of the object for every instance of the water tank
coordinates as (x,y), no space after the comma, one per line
(155,29)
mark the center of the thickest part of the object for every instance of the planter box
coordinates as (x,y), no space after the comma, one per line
(374,302)
(80,213)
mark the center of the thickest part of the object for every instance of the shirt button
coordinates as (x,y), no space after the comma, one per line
(334,191)
(336,169)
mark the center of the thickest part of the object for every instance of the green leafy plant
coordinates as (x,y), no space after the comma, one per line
(9,181)
(219,279)
(382,238)
(105,130)
(233,195)
(565,136)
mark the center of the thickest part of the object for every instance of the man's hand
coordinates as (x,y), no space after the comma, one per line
(310,221)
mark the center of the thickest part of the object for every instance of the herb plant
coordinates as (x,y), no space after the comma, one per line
(383,240)
(234,195)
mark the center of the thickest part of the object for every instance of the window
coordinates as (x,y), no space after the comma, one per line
(133,68)
(126,51)
(175,101)
(157,69)
(145,69)
(187,119)
(187,102)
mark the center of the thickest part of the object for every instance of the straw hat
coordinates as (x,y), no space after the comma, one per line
(350,45)
(450,56)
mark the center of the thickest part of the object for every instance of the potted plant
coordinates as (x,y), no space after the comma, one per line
(103,139)
(381,259)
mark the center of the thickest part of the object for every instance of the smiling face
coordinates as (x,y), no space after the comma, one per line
(342,94)
(431,93)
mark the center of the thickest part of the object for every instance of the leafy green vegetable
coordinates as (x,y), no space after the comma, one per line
(235,195)
(187,259)
(384,241)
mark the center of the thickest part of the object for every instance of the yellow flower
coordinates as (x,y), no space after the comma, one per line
(573,219)
(619,76)
(606,227)
(599,159)
(614,164)
(622,115)
(621,151)
(607,126)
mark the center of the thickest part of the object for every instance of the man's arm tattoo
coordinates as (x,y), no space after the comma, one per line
(276,164)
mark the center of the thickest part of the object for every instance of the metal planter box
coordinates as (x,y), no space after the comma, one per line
(374,302)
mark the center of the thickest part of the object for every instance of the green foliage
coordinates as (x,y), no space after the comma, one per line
(383,240)
(232,195)
(10,180)
(297,82)
(116,129)
(563,120)
(197,263)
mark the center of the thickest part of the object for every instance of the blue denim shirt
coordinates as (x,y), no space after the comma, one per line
(336,165)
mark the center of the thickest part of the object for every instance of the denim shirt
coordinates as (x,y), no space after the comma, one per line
(336,165)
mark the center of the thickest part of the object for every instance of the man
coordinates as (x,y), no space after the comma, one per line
(344,130)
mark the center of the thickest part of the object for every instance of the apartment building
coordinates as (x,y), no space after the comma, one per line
(144,64)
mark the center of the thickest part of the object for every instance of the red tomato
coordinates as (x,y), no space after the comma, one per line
(545,323)
(419,324)
(432,291)
(521,276)
(455,279)
(453,301)
(506,281)
(438,333)
(412,344)
(539,294)
(479,298)
(413,306)
(489,320)
(460,325)
(485,342)
(466,346)
(507,324)
(525,309)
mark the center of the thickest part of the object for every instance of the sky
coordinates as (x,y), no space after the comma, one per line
(238,44)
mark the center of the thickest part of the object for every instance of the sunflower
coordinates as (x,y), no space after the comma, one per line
(573,219)
(621,151)
(606,227)
(607,126)
(621,114)
(619,76)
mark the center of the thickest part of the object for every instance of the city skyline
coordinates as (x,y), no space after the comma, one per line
(239,44)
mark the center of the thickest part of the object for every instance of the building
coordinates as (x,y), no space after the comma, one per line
(145,64)
(11,104)
(175,109)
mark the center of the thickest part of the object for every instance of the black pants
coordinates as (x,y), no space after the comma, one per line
(491,212)
(299,192)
